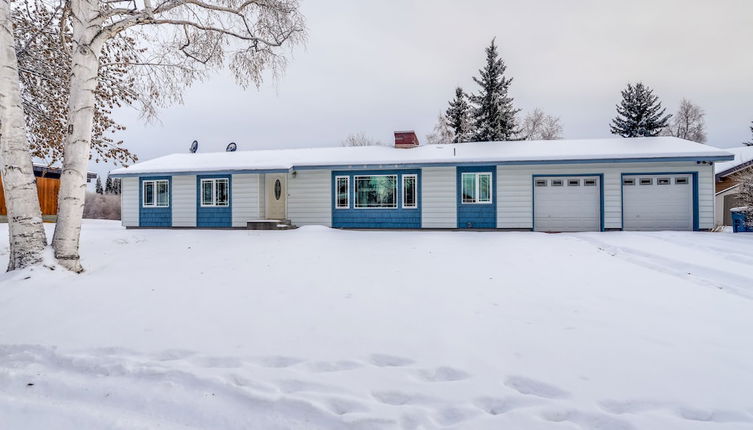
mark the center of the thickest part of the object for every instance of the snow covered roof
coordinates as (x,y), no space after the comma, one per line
(515,152)
(743,156)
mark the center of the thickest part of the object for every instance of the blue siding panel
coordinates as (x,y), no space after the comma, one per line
(377,218)
(472,215)
(155,217)
(214,217)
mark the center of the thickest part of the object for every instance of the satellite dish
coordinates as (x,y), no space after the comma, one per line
(194,146)
(231,147)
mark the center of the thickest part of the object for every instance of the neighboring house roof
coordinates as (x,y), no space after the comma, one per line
(727,190)
(743,159)
(54,172)
(514,152)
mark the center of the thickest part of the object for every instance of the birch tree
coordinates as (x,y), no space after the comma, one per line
(688,123)
(442,133)
(538,125)
(246,35)
(25,229)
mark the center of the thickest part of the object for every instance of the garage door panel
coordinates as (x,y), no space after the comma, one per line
(566,204)
(664,203)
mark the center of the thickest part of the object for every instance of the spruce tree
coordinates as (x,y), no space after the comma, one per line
(108,185)
(458,117)
(493,114)
(98,186)
(640,113)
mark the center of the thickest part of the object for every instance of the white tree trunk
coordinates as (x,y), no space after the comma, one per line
(25,229)
(84,70)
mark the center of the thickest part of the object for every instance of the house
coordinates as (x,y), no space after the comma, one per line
(48,185)
(726,174)
(567,185)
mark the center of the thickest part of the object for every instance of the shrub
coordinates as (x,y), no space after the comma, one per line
(102,206)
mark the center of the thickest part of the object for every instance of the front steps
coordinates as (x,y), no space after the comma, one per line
(270,224)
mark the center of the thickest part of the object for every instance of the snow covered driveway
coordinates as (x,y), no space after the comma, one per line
(325,329)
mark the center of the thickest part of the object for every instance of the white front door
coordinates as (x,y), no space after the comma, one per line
(276,195)
(566,203)
(657,202)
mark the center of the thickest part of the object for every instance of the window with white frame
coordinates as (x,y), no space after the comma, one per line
(477,188)
(410,200)
(156,193)
(375,192)
(342,184)
(215,192)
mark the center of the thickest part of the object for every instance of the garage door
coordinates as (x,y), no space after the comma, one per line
(567,203)
(657,202)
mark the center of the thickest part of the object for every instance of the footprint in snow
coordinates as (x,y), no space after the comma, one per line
(334,366)
(454,415)
(342,406)
(277,361)
(499,406)
(443,374)
(586,420)
(399,398)
(384,360)
(533,387)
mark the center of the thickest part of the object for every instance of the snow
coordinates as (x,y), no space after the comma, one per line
(743,154)
(517,151)
(325,329)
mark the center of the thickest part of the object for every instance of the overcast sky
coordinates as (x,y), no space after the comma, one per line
(379,66)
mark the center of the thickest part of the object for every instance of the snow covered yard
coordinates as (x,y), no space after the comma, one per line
(324,329)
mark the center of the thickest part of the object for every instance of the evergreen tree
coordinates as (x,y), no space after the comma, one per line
(108,185)
(640,113)
(493,114)
(458,117)
(98,186)
(750,143)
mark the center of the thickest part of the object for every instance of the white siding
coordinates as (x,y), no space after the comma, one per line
(183,199)
(262,197)
(310,197)
(438,197)
(129,202)
(514,185)
(245,199)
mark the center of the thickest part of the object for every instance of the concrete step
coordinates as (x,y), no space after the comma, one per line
(270,224)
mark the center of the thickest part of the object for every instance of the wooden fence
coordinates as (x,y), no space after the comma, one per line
(47,190)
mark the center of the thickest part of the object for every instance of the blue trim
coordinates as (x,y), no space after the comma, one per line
(447,164)
(156,216)
(377,217)
(601,195)
(694,175)
(214,217)
(476,215)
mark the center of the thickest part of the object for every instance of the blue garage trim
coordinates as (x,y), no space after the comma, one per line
(601,195)
(214,217)
(476,215)
(376,217)
(156,217)
(694,175)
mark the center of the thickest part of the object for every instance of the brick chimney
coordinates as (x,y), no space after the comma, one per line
(406,139)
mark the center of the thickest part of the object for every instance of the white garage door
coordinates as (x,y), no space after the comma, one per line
(566,203)
(657,202)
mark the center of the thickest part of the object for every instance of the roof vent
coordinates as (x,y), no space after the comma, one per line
(194,146)
(231,147)
(406,139)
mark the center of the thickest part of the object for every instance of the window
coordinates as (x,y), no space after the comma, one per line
(409,191)
(214,192)
(681,181)
(647,181)
(663,181)
(343,192)
(541,182)
(589,182)
(477,188)
(556,182)
(156,193)
(376,191)
(628,181)
(573,182)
